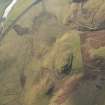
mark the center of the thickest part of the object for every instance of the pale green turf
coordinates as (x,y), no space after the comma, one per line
(18,9)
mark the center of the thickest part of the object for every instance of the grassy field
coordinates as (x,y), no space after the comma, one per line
(31,64)
(17,10)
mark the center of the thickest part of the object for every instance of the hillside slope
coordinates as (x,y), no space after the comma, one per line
(54,54)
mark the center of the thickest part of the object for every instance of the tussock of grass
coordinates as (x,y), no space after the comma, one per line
(69,43)
(99,52)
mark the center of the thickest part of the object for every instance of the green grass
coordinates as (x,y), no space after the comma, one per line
(17,10)
(99,52)
(69,43)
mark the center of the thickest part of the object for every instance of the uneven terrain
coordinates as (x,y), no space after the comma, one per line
(53,53)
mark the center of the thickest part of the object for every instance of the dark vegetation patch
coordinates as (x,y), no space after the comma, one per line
(95,68)
(50,90)
(1,29)
(67,68)
(21,30)
(98,86)
(22,79)
(78,1)
(47,24)
(59,75)
(44,17)
(95,71)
